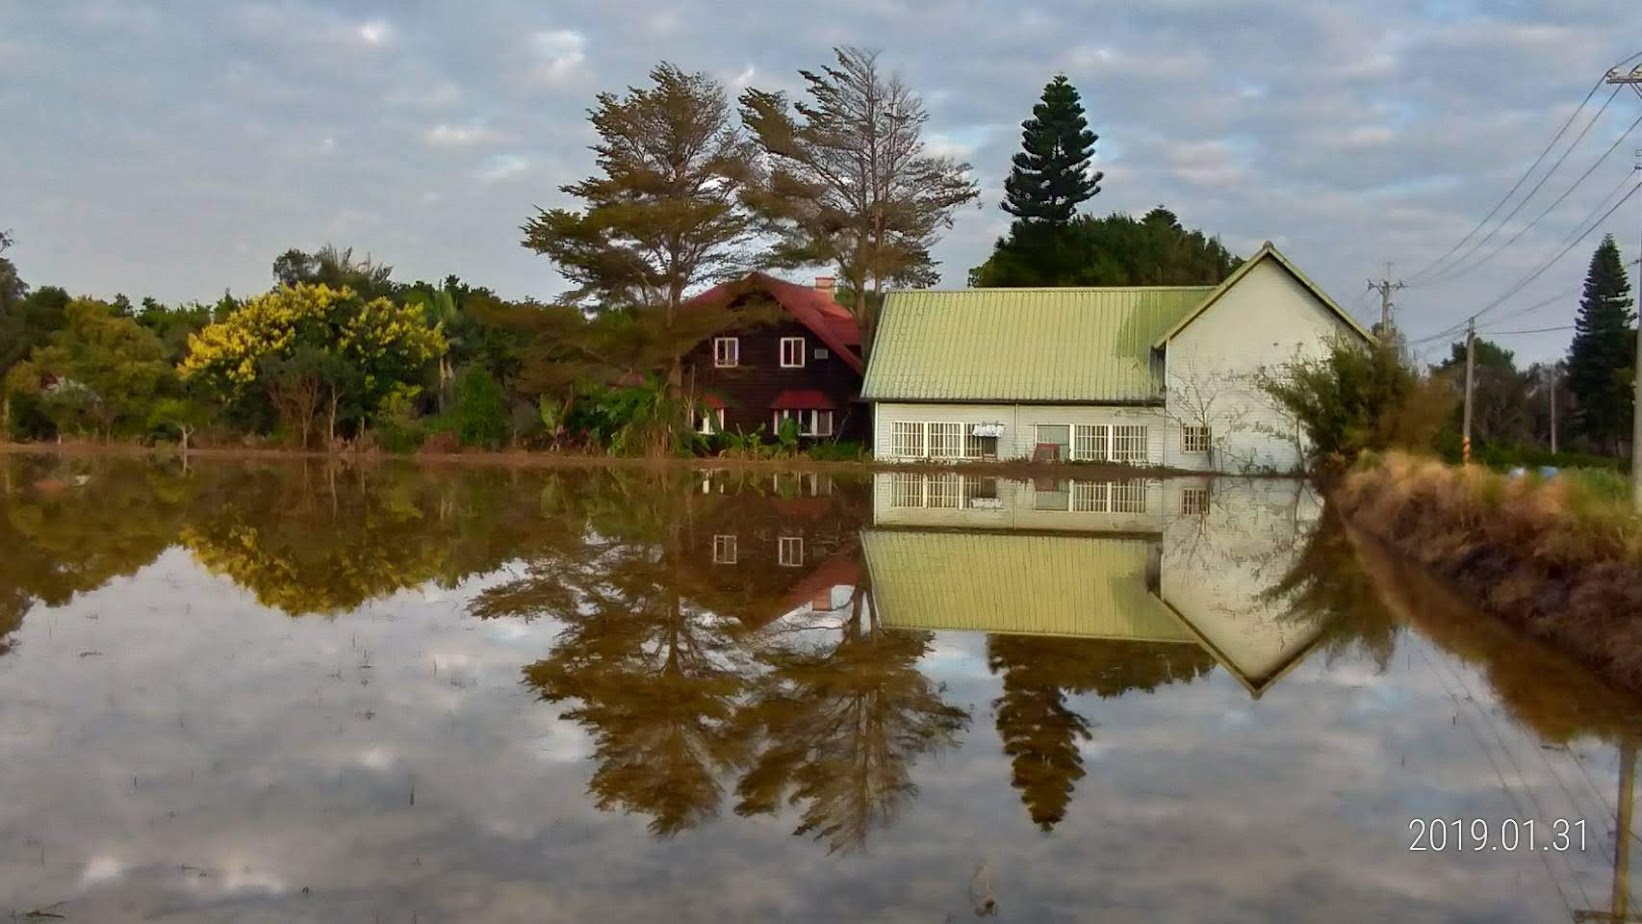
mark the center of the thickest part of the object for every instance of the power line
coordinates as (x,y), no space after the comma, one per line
(1548,209)
(1454,268)
(1571,242)
(1518,185)
(1537,330)
(1560,254)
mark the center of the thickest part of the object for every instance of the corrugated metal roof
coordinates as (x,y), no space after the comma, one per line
(1086,345)
(1078,586)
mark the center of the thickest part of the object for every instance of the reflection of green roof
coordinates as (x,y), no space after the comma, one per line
(1070,344)
(1081,586)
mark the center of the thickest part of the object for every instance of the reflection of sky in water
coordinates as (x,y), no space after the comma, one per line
(175,751)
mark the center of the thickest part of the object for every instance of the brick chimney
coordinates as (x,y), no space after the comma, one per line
(826,285)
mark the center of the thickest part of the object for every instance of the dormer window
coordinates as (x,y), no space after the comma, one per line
(792,352)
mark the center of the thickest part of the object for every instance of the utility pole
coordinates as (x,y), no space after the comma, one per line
(1619,905)
(1470,382)
(1385,287)
(1553,409)
(1633,79)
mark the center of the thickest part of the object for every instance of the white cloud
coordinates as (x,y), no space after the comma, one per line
(503,167)
(461,136)
(560,53)
(374,33)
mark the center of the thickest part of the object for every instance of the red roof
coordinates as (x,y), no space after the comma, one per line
(815,310)
(714,402)
(802,399)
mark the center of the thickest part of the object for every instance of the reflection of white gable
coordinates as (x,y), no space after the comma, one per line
(1192,559)
(1218,569)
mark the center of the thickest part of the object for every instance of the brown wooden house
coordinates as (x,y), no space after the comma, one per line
(805,365)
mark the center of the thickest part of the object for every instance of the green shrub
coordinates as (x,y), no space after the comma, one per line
(1359,398)
(483,417)
(841,451)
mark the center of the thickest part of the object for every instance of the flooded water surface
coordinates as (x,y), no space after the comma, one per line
(300,692)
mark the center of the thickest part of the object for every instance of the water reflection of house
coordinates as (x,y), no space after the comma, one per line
(760,546)
(1188,560)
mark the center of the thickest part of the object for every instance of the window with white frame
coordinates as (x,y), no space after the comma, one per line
(1090,496)
(792,352)
(710,420)
(814,422)
(1090,442)
(907,439)
(791,551)
(1057,498)
(1057,435)
(1129,444)
(1128,497)
(946,440)
(985,489)
(906,489)
(1194,502)
(726,352)
(1194,439)
(724,550)
(944,491)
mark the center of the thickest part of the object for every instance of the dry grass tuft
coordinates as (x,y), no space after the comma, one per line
(1561,559)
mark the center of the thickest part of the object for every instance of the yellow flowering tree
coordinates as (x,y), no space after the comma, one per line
(312,348)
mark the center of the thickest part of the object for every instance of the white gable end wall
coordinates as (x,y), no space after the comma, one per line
(1264,321)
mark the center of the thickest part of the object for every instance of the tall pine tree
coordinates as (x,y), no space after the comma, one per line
(1602,358)
(1050,176)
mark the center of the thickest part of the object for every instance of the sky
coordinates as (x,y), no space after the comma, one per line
(175,149)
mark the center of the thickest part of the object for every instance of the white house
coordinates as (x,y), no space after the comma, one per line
(1159,376)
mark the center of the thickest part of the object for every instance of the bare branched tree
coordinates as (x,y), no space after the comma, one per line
(851,182)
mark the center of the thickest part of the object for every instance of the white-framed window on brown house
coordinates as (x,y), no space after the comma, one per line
(726,352)
(814,422)
(790,551)
(792,352)
(724,550)
(1194,439)
(710,420)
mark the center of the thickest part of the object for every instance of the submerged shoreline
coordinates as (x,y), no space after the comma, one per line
(1532,554)
(523,459)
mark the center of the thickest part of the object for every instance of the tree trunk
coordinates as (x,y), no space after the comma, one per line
(330,442)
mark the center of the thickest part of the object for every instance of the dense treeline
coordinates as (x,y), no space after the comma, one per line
(692,187)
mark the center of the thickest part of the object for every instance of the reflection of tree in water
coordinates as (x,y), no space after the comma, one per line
(70,526)
(316,539)
(839,728)
(1041,732)
(1326,586)
(655,678)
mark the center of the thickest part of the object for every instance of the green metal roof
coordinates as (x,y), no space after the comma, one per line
(1016,583)
(1089,345)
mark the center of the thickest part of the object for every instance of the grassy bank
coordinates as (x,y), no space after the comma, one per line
(1560,559)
